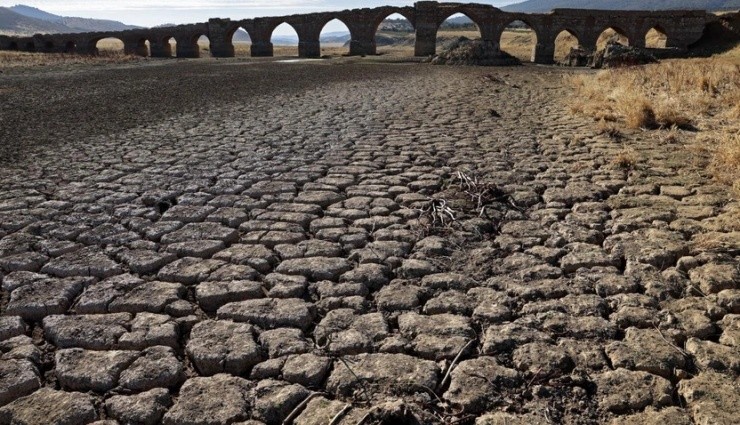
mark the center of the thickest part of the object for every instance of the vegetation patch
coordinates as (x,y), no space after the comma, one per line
(700,95)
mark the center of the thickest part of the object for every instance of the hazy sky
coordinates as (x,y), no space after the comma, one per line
(156,12)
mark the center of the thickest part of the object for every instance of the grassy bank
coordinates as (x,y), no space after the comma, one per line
(701,95)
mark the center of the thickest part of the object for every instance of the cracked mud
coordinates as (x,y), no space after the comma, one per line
(209,242)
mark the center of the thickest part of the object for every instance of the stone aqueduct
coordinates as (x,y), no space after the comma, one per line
(682,28)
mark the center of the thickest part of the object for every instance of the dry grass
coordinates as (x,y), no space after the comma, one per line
(725,165)
(28,60)
(626,159)
(609,128)
(697,94)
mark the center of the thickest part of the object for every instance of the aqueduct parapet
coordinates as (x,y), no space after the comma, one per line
(681,28)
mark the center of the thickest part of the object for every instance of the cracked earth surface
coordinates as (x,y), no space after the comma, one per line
(260,243)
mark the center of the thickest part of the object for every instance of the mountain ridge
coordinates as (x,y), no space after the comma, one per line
(26,20)
(543,6)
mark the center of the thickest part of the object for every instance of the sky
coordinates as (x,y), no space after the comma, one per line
(156,12)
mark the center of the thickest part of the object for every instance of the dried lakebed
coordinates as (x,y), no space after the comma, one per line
(338,242)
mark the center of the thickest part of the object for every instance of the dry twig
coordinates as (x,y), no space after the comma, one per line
(294,414)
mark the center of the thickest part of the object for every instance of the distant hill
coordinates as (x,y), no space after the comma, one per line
(33,12)
(536,6)
(26,20)
(12,23)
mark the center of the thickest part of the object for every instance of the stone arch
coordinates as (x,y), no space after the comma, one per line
(110,45)
(241,38)
(461,10)
(385,13)
(612,33)
(202,43)
(323,33)
(393,36)
(519,42)
(70,46)
(293,49)
(565,40)
(656,37)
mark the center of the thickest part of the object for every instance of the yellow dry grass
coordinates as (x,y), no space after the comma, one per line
(699,93)
(30,60)
(626,159)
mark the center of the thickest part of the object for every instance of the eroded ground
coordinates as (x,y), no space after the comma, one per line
(214,242)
